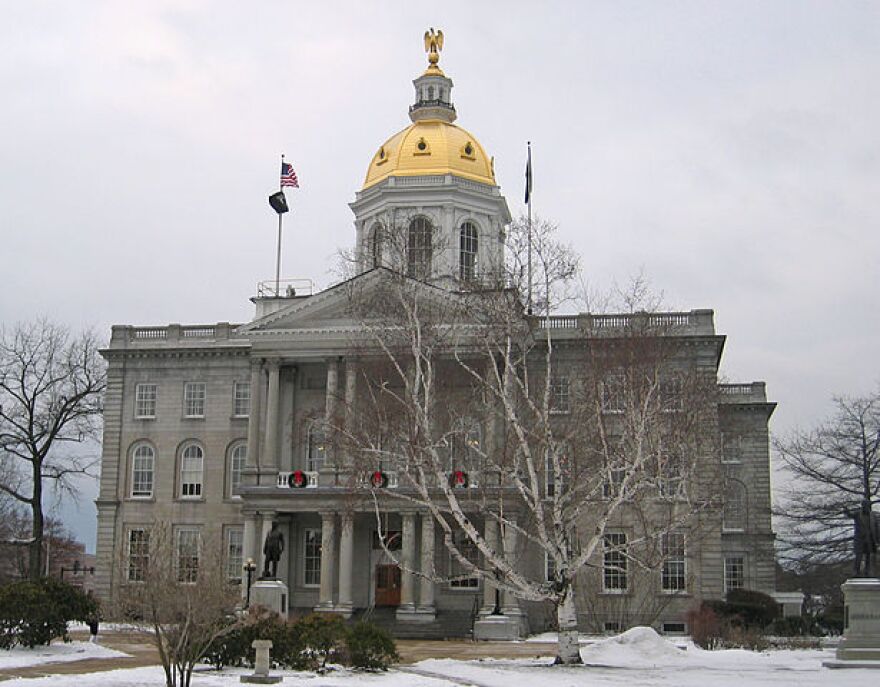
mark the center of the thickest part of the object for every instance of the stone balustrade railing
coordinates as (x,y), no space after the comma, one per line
(752,392)
(125,335)
(694,322)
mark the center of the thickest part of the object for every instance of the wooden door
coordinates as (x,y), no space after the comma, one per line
(387,585)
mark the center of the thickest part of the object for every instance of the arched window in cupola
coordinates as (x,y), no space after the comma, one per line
(468,244)
(419,248)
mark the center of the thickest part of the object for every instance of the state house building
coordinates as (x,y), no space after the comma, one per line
(207,424)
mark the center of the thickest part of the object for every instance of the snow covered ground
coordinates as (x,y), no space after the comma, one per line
(637,658)
(54,653)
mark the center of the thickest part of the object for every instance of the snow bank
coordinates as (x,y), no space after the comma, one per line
(55,653)
(639,647)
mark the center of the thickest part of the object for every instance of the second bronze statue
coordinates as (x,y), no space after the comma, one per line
(272,549)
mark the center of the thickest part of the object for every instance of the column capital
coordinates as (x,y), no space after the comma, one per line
(273,363)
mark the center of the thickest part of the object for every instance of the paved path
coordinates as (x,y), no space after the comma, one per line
(142,652)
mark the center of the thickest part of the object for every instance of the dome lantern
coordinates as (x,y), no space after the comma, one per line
(433,87)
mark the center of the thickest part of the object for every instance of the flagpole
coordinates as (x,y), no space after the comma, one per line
(529,203)
(278,254)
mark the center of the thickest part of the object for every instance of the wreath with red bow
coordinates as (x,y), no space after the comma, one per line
(378,479)
(297,479)
(458,478)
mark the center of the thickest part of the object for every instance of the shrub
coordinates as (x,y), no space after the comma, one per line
(370,647)
(800,626)
(752,609)
(34,613)
(234,648)
(705,626)
(322,637)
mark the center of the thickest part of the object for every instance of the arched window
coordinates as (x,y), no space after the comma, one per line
(734,516)
(430,92)
(237,461)
(419,248)
(377,240)
(143,466)
(316,448)
(468,252)
(191,468)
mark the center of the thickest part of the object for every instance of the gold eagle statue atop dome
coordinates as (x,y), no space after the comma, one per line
(433,45)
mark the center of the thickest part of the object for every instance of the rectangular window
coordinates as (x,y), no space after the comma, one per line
(549,567)
(194,399)
(674,572)
(673,628)
(734,572)
(614,564)
(187,554)
(671,393)
(241,399)
(460,577)
(560,395)
(550,474)
(613,394)
(611,626)
(312,558)
(613,482)
(730,449)
(145,401)
(234,553)
(138,554)
(671,468)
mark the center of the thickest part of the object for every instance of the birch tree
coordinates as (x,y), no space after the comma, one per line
(486,412)
(51,390)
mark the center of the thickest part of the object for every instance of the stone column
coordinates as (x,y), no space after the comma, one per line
(328,472)
(328,561)
(490,533)
(426,591)
(270,456)
(509,604)
(346,563)
(350,391)
(332,389)
(268,517)
(407,558)
(291,429)
(253,446)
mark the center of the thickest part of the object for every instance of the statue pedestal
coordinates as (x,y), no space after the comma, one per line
(272,594)
(860,646)
(499,628)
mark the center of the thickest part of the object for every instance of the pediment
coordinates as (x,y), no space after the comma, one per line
(330,310)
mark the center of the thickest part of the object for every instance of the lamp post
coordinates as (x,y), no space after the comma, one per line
(249,568)
(497,609)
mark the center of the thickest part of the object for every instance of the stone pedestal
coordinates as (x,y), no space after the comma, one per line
(860,646)
(499,628)
(261,664)
(273,594)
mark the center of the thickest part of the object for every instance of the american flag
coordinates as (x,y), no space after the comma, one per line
(288,176)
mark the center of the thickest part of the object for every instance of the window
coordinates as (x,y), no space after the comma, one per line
(237,462)
(194,399)
(191,464)
(465,447)
(614,563)
(730,449)
(142,469)
(187,554)
(458,573)
(241,399)
(549,567)
(734,515)
(419,248)
(671,474)
(138,554)
(560,397)
(145,401)
(316,448)
(613,482)
(671,397)
(673,628)
(561,451)
(613,394)
(312,558)
(734,572)
(234,553)
(611,626)
(377,240)
(468,252)
(673,574)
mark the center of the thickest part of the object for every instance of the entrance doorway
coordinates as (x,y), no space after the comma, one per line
(387,585)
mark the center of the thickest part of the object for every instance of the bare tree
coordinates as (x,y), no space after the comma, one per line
(51,388)
(485,414)
(175,581)
(833,467)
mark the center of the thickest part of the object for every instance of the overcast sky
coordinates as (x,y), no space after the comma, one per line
(729,149)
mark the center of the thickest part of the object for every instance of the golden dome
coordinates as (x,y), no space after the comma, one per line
(429,147)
